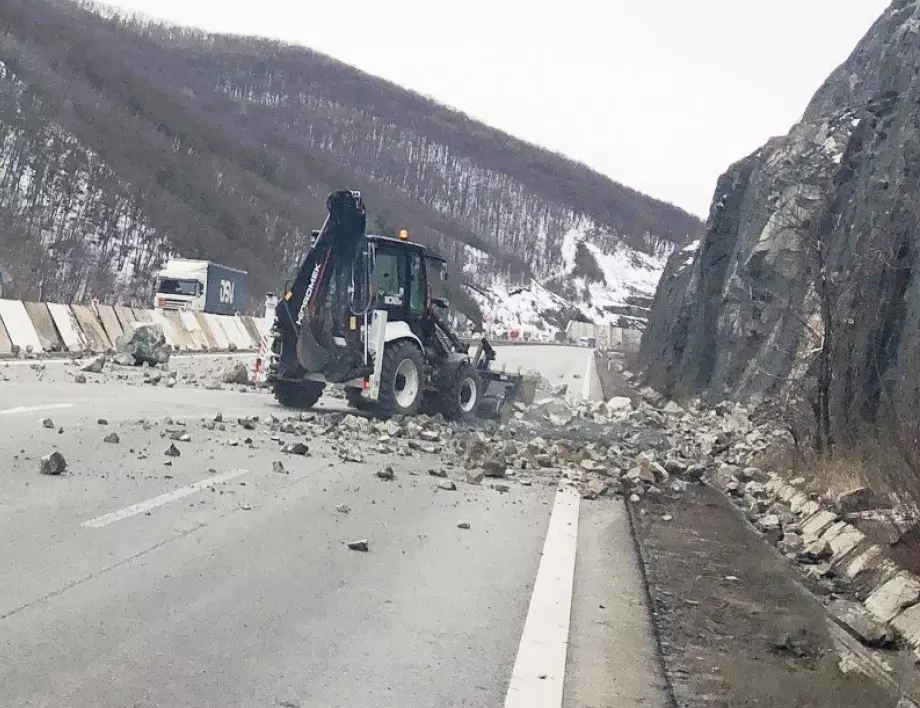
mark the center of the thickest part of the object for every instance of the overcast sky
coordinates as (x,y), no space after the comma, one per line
(661,95)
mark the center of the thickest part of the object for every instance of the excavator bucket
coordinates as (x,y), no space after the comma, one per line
(499,393)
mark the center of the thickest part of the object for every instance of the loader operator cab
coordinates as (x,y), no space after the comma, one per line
(405,277)
(400,279)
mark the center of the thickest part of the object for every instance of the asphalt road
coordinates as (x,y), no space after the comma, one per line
(210,579)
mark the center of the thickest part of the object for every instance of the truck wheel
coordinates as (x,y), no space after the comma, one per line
(462,398)
(401,380)
(301,395)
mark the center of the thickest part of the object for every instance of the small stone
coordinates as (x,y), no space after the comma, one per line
(246,507)
(102,421)
(53,464)
(465,525)
(474,476)
(278,466)
(297,448)
(598,487)
(112,438)
(172,451)
(235,373)
(95,366)
(667,517)
(361,545)
(234,442)
(47,423)
(387,473)
(634,498)
(79,378)
(501,488)
(790,543)
(447,486)
(437,473)
(494,468)
(343,508)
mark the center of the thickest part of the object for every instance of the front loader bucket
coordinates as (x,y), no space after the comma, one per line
(499,393)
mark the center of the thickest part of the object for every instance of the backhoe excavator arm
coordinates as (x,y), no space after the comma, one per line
(331,279)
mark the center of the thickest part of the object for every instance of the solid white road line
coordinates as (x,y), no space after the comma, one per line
(586,379)
(539,670)
(36,409)
(141,507)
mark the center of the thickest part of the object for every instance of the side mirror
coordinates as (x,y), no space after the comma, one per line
(443,274)
(441,302)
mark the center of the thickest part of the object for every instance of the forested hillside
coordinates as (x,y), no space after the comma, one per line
(125,141)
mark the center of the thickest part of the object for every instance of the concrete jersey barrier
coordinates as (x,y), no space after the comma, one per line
(50,327)
(68,328)
(19,327)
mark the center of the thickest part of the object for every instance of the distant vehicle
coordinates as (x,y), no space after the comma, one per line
(200,286)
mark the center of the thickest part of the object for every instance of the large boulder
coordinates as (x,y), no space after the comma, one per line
(142,343)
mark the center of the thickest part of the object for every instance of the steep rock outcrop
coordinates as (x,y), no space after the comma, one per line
(829,211)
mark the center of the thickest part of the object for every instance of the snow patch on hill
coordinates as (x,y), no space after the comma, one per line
(595,283)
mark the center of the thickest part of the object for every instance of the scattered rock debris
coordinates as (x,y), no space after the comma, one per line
(361,545)
(112,438)
(172,451)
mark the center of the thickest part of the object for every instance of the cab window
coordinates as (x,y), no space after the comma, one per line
(418,293)
(389,279)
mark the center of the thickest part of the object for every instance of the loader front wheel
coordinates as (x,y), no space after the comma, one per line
(462,398)
(301,395)
(401,380)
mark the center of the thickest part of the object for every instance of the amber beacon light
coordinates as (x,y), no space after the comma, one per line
(403,235)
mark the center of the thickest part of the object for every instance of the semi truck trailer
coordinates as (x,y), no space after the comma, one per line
(201,286)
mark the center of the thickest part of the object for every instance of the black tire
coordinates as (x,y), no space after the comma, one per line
(301,395)
(462,398)
(398,354)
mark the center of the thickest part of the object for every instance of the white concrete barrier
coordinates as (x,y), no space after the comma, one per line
(78,328)
(19,327)
(221,338)
(66,322)
(193,327)
(236,330)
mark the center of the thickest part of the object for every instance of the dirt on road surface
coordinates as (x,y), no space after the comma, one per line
(736,628)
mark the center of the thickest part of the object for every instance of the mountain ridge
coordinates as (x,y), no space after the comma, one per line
(229,145)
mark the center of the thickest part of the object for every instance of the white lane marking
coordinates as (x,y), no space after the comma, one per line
(539,670)
(586,380)
(141,507)
(35,409)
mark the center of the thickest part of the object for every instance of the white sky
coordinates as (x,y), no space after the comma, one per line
(661,95)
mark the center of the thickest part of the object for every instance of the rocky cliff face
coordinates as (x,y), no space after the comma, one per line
(811,245)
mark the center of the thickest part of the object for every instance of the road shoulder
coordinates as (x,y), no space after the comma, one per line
(736,628)
(612,659)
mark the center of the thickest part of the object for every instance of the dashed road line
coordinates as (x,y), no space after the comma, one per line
(36,409)
(144,506)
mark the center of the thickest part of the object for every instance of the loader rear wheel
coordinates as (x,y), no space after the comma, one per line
(401,380)
(301,395)
(461,400)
